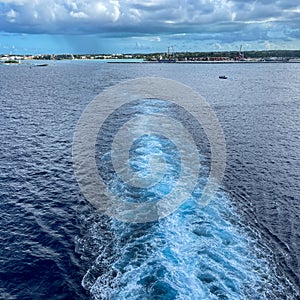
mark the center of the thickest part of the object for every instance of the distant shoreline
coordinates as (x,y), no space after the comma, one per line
(180,57)
(29,62)
(204,62)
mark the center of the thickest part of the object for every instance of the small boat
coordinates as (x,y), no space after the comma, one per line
(223,77)
(11,62)
(42,65)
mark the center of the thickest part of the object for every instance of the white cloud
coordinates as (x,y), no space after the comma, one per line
(11,14)
(80,15)
(18,2)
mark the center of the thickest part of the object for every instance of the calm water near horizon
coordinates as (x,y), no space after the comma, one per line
(244,245)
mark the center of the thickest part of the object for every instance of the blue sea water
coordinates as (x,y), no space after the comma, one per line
(244,245)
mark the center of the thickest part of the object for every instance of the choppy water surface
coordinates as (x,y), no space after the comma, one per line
(244,245)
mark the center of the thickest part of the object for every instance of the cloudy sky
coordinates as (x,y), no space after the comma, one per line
(131,26)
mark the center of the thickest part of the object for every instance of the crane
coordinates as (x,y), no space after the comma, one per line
(241,55)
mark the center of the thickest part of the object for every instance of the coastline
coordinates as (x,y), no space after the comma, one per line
(29,62)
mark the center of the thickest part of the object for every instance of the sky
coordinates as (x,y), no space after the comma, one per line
(136,26)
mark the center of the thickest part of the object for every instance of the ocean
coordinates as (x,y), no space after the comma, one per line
(245,244)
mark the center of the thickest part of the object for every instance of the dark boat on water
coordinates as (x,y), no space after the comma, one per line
(41,65)
(223,77)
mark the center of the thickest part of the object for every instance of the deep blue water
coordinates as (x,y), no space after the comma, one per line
(244,245)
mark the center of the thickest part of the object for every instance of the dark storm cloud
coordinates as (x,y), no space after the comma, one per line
(224,19)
